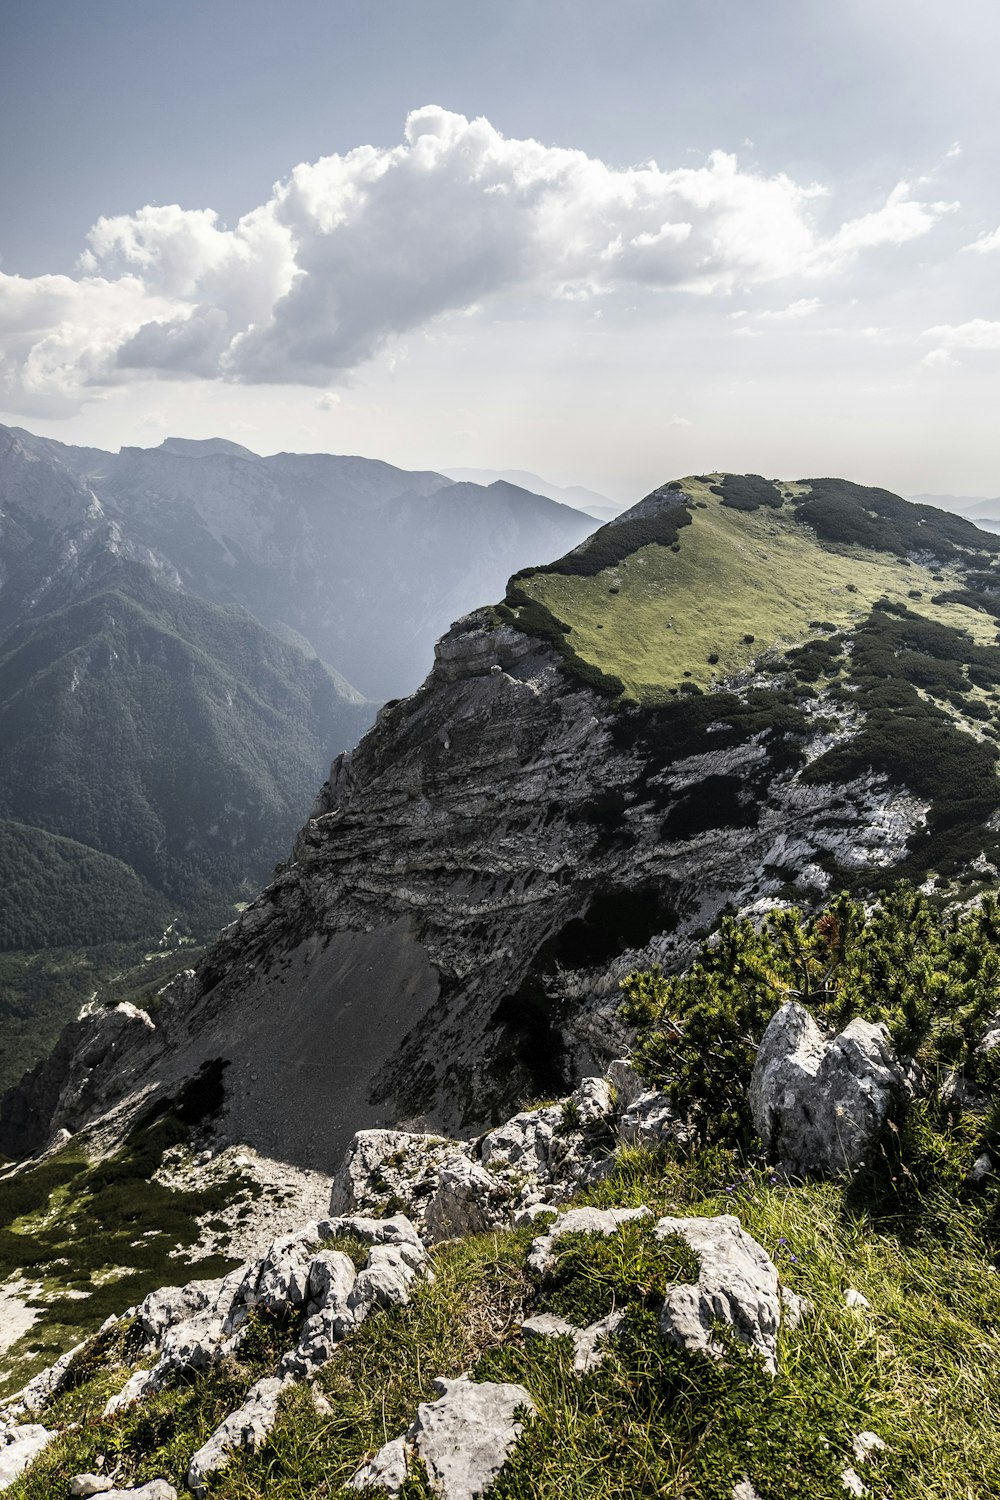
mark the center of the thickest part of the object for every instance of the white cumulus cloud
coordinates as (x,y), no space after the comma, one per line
(353,250)
(977,333)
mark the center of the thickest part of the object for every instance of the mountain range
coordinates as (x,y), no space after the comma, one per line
(741,692)
(188,636)
(577,495)
(983,511)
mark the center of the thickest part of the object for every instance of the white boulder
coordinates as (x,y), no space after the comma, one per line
(18,1447)
(737,1284)
(820,1104)
(464,1439)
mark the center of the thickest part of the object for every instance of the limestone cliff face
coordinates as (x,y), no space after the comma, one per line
(475,878)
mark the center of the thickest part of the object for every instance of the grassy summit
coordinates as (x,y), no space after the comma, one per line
(735,583)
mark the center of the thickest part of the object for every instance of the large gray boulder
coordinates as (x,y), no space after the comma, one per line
(464,1439)
(820,1104)
(737,1285)
(524,1143)
(649,1120)
(400,1165)
(282,1277)
(467,1200)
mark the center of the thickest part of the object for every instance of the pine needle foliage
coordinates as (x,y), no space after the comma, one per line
(931,975)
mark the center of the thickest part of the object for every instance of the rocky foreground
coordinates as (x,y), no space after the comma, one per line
(821,1101)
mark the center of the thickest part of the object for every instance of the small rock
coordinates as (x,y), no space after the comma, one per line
(649,1121)
(794,1308)
(388,1469)
(383,1164)
(524,1143)
(745,1491)
(283,1274)
(854,1298)
(170,1305)
(625,1082)
(865,1444)
(531,1213)
(586,1354)
(18,1447)
(981,1168)
(330,1281)
(737,1284)
(90,1484)
(592,1100)
(156,1489)
(853,1483)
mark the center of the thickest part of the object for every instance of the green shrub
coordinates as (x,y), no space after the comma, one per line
(932,977)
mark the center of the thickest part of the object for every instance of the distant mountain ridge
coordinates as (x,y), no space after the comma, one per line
(577,495)
(318,542)
(978,508)
(172,622)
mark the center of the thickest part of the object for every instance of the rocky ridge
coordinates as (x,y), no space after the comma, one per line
(457,874)
(522,1174)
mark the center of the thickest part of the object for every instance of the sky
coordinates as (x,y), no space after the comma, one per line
(611,245)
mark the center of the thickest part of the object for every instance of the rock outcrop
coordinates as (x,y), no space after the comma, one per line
(737,1285)
(449,935)
(819,1104)
(464,1438)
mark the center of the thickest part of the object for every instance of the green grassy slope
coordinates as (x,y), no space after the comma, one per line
(734,584)
(920,1367)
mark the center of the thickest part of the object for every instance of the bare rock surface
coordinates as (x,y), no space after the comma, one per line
(18,1446)
(587,1354)
(154,1489)
(819,1104)
(246,1427)
(389,1164)
(737,1285)
(466,1200)
(378,973)
(464,1439)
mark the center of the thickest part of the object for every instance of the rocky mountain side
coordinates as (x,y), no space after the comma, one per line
(167,623)
(740,691)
